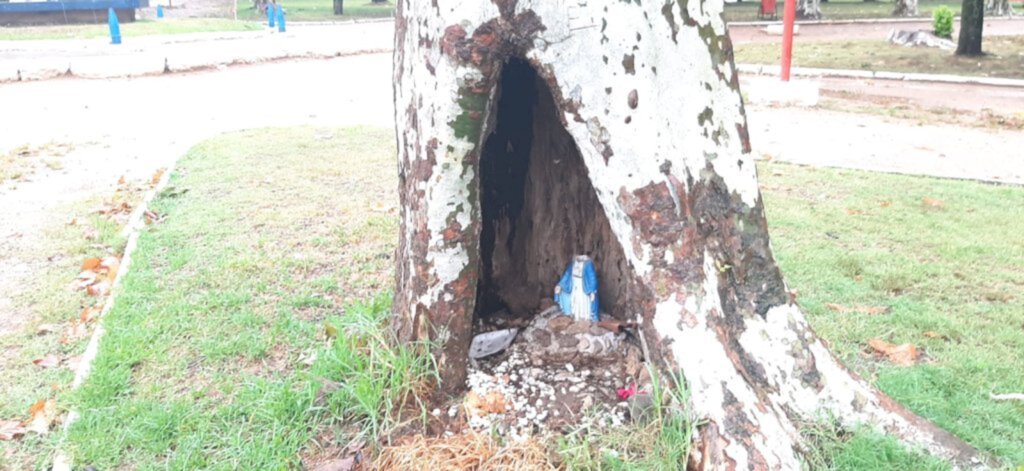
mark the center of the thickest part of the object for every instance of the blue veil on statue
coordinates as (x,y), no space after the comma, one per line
(576,292)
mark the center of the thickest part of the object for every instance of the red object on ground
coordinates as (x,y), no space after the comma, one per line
(767,9)
(626,393)
(788,17)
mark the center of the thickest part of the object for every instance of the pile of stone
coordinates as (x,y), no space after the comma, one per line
(558,373)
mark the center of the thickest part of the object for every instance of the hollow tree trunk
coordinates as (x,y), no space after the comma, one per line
(531,131)
(808,9)
(905,8)
(972,21)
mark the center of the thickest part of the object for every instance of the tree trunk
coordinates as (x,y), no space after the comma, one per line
(905,8)
(809,9)
(999,8)
(339,7)
(529,132)
(972,21)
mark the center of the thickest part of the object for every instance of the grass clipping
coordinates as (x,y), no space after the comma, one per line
(468,451)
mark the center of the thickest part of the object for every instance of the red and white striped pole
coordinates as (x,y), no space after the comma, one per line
(788,18)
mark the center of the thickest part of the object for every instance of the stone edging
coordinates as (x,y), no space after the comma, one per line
(765,69)
(136,222)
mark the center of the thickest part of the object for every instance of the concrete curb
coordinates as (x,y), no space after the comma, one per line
(355,21)
(158,64)
(861,21)
(773,70)
(136,222)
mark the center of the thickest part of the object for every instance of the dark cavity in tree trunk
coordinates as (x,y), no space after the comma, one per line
(538,205)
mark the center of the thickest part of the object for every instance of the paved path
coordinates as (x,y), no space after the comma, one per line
(869,142)
(972,98)
(152,55)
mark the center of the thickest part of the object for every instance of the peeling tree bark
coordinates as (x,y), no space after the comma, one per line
(998,8)
(644,98)
(809,9)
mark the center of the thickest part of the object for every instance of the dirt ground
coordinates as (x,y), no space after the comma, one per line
(164,115)
(975,98)
(850,31)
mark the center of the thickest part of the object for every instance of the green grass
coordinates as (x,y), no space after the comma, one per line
(662,443)
(216,354)
(128,30)
(953,270)
(841,10)
(284,231)
(832,448)
(1005,57)
(322,10)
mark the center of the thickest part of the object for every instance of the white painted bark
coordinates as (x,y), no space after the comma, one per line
(905,8)
(648,92)
(809,9)
(998,8)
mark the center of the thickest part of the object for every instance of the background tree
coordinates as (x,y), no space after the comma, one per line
(999,8)
(529,131)
(808,9)
(905,8)
(972,21)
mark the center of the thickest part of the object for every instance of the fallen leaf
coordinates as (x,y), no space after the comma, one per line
(48,361)
(110,264)
(492,403)
(330,330)
(91,263)
(73,221)
(885,204)
(932,334)
(11,430)
(901,355)
(101,288)
(933,203)
(853,212)
(77,330)
(157,175)
(120,181)
(41,416)
(151,217)
(86,278)
(44,329)
(89,313)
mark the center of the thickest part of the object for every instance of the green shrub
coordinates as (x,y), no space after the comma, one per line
(942,22)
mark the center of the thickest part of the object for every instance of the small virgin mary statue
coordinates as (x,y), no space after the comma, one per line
(576,292)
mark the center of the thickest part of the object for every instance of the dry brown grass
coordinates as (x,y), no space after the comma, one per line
(468,451)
